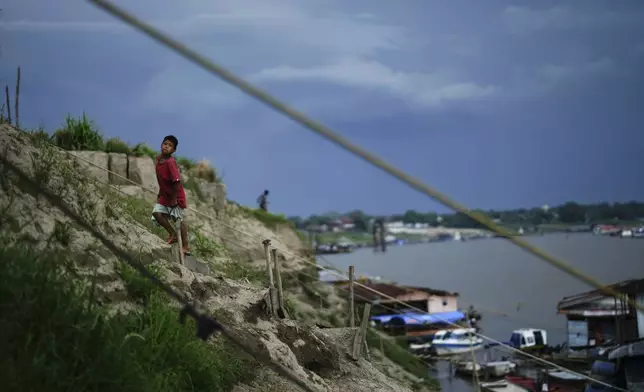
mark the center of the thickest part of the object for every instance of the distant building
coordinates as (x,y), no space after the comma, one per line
(426,299)
(595,318)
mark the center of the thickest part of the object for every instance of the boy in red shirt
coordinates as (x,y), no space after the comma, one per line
(171,200)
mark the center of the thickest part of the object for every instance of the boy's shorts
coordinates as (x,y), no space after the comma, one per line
(174,213)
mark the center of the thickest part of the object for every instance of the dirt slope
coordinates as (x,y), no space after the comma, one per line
(316,356)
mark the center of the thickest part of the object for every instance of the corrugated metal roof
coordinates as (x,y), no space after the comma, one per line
(392,290)
(627,286)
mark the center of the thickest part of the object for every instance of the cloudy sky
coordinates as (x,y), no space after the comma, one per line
(497,103)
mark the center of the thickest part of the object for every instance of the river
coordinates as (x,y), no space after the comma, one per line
(499,278)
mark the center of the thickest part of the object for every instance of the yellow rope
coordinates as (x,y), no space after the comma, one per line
(327,133)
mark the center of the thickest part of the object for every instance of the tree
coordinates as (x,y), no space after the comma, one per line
(360,220)
(572,212)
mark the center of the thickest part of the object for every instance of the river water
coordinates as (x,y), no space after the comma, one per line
(512,288)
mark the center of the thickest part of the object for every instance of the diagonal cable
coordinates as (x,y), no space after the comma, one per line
(344,143)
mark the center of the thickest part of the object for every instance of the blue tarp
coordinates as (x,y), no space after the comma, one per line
(412,318)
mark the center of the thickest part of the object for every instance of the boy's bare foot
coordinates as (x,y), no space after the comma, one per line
(186,252)
(172,239)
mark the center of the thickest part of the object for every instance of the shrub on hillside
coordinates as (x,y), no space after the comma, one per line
(79,134)
(143,150)
(186,163)
(204,171)
(40,135)
(117,145)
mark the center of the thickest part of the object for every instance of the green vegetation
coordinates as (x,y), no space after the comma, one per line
(79,134)
(401,356)
(82,134)
(203,247)
(117,145)
(56,338)
(143,150)
(140,210)
(269,220)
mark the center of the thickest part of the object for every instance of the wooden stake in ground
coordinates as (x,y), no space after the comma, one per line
(269,268)
(280,291)
(273,296)
(6,93)
(352,316)
(17,100)
(359,337)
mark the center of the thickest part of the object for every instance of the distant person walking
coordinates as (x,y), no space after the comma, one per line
(262,200)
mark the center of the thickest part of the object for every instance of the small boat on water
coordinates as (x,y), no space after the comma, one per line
(421,349)
(456,341)
(505,385)
(490,369)
(468,367)
(499,368)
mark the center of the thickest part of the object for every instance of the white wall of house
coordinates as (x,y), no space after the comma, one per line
(436,304)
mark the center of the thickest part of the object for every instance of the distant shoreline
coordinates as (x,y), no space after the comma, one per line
(436,232)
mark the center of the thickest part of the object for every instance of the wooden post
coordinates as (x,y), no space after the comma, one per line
(361,332)
(280,291)
(273,301)
(179,241)
(17,99)
(269,268)
(352,316)
(382,345)
(6,93)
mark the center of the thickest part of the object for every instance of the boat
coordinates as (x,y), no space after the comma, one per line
(504,386)
(529,339)
(638,232)
(420,349)
(468,367)
(456,341)
(489,369)
(564,381)
(499,368)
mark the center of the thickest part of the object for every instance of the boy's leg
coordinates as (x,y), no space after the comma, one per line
(161,214)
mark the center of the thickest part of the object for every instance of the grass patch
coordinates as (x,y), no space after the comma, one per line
(141,211)
(118,146)
(55,338)
(402,357)
(203,247)
(79,134)
(269,220)
(186,162)
(143,150)
(204,171)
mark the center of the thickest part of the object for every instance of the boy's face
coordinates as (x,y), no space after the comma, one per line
(167,147)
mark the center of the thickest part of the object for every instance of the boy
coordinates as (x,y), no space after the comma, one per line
(171,200)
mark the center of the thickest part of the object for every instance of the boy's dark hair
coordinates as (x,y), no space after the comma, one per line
(173,140)
(266,192)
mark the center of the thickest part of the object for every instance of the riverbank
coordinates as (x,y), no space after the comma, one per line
(125,315)
(436,233)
